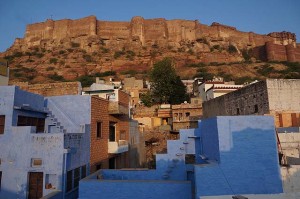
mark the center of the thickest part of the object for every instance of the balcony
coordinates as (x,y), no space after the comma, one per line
(118,147)
(114,108)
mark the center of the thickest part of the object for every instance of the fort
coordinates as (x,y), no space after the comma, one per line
(89,33)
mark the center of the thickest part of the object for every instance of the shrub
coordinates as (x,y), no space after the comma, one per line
(87,58)
(246,55)
(266,70)
(86,80)
(49,68)
(56,77)
(104,50)
(75,45)
(39,55)
(118,54)
(62,52)
(53,61)
(105,74)
(232,49)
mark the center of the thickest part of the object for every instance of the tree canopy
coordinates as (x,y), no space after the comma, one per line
(166,86)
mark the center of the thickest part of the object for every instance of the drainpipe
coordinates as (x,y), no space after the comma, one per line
(64,173)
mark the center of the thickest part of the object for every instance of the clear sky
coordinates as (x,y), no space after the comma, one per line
(260,16)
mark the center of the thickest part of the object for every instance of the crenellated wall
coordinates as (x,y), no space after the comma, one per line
(149,32)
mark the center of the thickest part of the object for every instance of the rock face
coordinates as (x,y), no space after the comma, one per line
(96,45)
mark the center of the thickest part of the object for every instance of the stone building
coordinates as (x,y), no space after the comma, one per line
(135,88)
(186,115)
(121,127)
(57,141)
(277,97)
(51,89)
(214,88)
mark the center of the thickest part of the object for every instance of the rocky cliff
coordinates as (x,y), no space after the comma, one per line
(84,46)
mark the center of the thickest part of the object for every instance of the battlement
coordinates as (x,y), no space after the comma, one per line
(147,32)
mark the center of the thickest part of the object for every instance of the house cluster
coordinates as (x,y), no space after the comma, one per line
(48,144)
(245,146)
(79,145)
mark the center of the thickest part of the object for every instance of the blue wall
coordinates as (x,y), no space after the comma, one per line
(248,161)
(19,144)
(95,189)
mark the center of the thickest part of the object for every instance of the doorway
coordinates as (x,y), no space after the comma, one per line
(35,185)
(112,131)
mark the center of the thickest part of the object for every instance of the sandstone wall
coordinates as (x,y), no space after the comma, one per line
(276,52)
(60,29)
(149,31)
(52,89)
(113,30)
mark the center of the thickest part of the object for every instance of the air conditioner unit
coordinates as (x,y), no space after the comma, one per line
(36,162)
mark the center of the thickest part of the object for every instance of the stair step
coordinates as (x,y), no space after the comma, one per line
(182,148)
(185,142)
(179,154)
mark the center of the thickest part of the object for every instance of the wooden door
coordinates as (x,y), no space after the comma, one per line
(35,185)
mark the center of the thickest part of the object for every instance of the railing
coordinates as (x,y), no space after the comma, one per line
(118,147)
(116,108)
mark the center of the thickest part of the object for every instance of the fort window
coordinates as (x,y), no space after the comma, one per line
(39,123)
(69,180)
(237,111)
(2,124)
(99,129)
(255,108)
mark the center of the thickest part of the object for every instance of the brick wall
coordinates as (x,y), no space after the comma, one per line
(51,89)
(99,146)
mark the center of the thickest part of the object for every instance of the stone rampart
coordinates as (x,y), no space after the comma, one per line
(52,89)
(149,31)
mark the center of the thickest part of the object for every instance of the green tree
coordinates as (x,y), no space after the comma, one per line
(146,99)
(166,86)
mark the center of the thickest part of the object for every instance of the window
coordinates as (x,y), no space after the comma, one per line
(83,171)
(187,114)
(237,111)
(255,108)
(2,123)
(39,123)
(99,129)
(98,166)
(69,180)
(36,162)
(0,179)
(122,135)
(76,177)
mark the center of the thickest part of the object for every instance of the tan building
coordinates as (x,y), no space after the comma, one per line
(214,88)
(135,88)
(4,73)
(277,97)
(186,115)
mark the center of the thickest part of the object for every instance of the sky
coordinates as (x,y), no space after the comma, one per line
(259,16)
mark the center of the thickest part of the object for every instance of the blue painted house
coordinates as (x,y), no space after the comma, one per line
(227,155)
(44,144)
